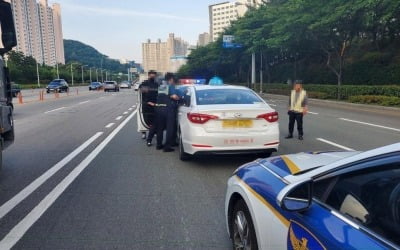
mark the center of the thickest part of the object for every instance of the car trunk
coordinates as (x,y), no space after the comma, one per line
(234,118)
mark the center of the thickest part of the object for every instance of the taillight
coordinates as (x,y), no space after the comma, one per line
(200,118)
(270,117)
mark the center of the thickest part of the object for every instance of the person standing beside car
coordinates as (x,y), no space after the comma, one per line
(166,109)
(149,99)
(297,109)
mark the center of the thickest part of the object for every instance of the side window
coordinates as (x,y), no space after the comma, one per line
(187,96)
(370,197)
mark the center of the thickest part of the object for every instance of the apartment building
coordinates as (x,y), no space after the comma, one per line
(39,30)
(204,39)
(162,56)
(221,15)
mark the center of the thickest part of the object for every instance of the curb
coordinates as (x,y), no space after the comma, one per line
(341,103)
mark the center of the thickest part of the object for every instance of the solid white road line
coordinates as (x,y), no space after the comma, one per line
(313,113)
(23,226)
(119,118)
(9,205)
(84,102)
(370,124)
(54,110)
(110,125)
(335,144)
(126,112)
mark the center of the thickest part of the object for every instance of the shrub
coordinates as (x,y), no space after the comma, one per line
(376,99)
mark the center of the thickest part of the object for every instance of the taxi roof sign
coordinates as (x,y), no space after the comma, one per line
(216,81)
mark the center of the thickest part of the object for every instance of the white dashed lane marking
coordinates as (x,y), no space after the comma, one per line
(335,144)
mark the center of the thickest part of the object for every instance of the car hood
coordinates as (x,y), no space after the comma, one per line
(296,164)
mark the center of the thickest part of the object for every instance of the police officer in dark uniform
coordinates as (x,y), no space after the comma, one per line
(166,110)
(149,90)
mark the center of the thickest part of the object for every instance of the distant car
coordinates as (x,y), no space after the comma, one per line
(125,84)
(95,86)
(317,200)
(225,120)
(136,86)
(57,85)
(15,89)
(111,86)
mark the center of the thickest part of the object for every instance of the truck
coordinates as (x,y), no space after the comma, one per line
(8,40)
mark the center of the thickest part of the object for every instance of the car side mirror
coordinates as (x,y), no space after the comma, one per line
(7,28)
(296,196)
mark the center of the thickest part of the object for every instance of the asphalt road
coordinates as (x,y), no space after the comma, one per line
(79,177)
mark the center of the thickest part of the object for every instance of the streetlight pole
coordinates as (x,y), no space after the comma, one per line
(72,75)
(90,74)
(106,75)
(261,73)
(97,75)
(37,73)
(58,74)
(83,81)
(253,68)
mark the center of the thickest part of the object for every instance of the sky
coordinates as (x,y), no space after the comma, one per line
(117,28)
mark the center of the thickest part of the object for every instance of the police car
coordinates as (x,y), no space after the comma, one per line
(224,119)
(317,200)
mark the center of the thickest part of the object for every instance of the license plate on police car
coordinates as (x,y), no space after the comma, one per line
(237,123)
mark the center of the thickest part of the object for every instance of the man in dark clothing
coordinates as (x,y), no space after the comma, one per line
(149,98)
(297,109)
(166,109)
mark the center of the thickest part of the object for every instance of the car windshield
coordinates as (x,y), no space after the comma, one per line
(55,83)
(226,96)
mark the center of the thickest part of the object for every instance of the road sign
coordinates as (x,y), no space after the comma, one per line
(228,42)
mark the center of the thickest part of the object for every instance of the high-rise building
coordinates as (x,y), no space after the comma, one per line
(58,34)
(222,14)
(204,39)
(162,56)
(39,30)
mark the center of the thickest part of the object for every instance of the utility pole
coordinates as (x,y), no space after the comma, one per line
(97,75)
(90,74)
(106,75)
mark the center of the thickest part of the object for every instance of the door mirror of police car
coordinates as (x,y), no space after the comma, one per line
(296,196)
(7,30)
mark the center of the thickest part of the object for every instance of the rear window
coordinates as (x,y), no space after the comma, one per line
(226,96)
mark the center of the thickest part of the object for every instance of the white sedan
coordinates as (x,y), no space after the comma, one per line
(225,120)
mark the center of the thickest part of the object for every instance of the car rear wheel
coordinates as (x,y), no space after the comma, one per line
(242,228)
(182,155)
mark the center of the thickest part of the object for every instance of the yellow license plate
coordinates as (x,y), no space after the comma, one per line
(237,124)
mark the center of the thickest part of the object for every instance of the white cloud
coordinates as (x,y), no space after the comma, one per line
(125,13)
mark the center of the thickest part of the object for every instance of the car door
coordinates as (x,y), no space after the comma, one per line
(186,106)
(350,210)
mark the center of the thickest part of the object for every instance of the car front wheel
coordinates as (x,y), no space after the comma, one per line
(242,228)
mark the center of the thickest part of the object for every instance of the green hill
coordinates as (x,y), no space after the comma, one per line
(76,51)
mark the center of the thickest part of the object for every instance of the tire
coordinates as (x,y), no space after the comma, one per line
(247,238)
(264,155)
(182,155)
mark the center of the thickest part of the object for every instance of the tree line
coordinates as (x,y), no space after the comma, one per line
(25,70)
(318,41)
